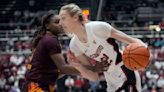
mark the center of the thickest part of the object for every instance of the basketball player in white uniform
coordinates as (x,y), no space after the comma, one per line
(95,40)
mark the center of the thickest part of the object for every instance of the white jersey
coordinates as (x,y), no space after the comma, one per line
(101,47)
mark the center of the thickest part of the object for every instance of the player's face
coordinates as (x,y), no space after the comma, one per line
(54,26)
(67,22)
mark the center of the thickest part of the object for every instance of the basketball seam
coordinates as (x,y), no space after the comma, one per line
(129,63)
(134,49)
(137,62)
(147,64)
(137,54)
(125,60)
(129,59)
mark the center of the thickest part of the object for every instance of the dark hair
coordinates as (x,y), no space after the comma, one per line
(42,28)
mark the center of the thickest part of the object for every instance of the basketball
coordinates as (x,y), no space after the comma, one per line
(136,56)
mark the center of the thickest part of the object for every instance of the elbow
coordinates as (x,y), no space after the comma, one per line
(95,78)
(91,76)
(62,70)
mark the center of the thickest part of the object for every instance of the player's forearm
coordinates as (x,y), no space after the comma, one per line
(135,40)
(92,68)
(67,69)
(88,74)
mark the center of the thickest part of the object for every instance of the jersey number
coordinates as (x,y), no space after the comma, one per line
(105,58)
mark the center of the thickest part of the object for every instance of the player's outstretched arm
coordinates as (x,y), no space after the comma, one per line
(88,74)
(85,61)
(62,66)
(82,63)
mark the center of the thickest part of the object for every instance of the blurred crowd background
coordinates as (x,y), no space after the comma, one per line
(143,19)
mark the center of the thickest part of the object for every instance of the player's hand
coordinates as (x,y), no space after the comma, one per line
(145,45)
(72,60)
(71,57)
(101,66)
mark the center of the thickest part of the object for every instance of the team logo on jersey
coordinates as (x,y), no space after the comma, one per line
(98,51)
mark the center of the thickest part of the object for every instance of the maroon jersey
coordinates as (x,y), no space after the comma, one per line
(43,69)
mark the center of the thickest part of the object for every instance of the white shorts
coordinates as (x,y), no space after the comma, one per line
(123,81)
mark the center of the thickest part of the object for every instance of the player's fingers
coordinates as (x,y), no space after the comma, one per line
(70,53)
(105,64)
(69,59)
(70,56)
(105,68)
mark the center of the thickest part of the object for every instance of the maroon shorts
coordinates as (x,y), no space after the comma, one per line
(39,87)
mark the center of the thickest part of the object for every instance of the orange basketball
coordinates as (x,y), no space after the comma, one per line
(136,56)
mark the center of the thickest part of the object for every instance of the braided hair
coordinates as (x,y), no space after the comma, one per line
(42,28)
